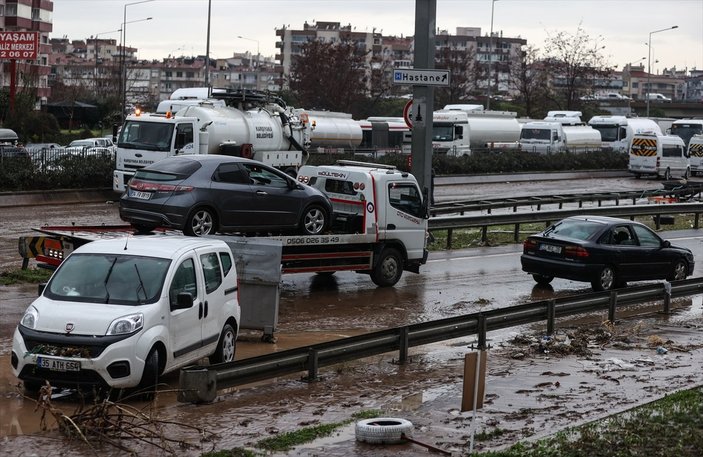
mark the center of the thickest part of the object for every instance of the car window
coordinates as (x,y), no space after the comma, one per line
(183,281)
(231,173)
(405,197)
(265,177)
(647,237)
(211,271)
(226,260)
(339,186)
(620,235)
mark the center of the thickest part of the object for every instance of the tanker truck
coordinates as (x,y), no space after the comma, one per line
(456,132)
(617,131)
(330,131)
(270,133)
(553,137)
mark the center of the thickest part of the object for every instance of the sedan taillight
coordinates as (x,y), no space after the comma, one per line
(575,251)
(529,245)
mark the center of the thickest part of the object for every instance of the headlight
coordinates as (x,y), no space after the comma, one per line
(30,318)
(126,324)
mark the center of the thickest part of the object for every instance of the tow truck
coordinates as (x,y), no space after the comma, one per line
(380,227)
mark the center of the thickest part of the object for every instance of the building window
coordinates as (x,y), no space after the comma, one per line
(190,74)
(35,14)
(2,10)
(11,10)
(168,74)
(179,74)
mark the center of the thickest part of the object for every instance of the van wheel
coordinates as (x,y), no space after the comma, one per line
(226,347)
(388,269)
(667,175)
(150,376)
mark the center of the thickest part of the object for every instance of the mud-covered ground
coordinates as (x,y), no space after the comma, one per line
(534,387)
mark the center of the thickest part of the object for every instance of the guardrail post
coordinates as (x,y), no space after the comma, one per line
(516,233)
(313,365)
(657,222)
(484,234)
(612,304)
(667,298)
(449,238)
(403,343)
(482,330)
(580,203)
(551,314)
(695,220)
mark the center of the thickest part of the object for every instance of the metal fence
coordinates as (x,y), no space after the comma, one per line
(201,383)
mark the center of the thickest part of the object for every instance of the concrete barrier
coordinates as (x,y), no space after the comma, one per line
(57,197)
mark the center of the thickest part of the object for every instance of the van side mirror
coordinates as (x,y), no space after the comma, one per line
(184,300)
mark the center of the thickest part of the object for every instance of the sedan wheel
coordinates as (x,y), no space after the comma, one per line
(542,280)
(314,220)
(606,279)
(679,271)
(200,222)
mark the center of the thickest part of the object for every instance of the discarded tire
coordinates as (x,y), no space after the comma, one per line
(383,430)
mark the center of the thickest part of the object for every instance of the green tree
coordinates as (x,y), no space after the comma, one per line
(464,75)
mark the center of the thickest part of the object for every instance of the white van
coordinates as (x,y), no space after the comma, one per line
(658,98)
(660,155)
(695,154)
(121,312)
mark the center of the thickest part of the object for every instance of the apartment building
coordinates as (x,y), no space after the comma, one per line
(28,16)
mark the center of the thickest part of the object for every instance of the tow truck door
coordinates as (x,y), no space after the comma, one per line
(403,216)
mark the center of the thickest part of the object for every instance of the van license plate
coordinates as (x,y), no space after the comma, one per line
(58,364)
(139,195)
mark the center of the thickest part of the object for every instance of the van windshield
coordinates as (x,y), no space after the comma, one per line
(108,279)
(686,131)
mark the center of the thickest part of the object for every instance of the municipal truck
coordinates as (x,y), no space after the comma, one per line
(380,226)
(260,127)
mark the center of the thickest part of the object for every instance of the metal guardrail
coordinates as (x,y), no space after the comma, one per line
(201,383)
(489,204)
(484,221)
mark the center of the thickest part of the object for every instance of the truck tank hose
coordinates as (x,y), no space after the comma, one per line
(286,123)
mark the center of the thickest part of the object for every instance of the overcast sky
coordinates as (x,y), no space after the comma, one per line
(179,27)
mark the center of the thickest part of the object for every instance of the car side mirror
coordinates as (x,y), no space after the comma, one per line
(666,244)
(184,300)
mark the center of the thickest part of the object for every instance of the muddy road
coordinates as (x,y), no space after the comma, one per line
(530,392)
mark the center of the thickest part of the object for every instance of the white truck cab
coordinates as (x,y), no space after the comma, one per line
(121,312)
(376,205)
(659,155)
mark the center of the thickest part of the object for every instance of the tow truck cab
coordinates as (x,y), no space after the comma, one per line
(378,201)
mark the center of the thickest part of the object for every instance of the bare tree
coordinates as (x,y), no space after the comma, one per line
(529,78)
(577,65)
(330,76)
(464,74)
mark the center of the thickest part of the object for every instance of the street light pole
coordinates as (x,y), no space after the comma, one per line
(490,56)
(123,72)
(649,61)
(257,47)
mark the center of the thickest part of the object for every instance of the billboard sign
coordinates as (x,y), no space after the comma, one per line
(19,45)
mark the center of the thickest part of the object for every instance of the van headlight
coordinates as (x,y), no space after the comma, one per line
(126,324)
(30,318)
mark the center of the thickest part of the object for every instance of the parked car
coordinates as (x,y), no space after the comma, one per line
(93,147)
(605,251)
(10,151)
(204,194)
(657,98)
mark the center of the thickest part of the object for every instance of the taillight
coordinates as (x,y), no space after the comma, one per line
(575,251)
(529,245)
(145,186)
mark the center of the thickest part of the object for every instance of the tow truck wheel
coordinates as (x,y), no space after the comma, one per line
(388,269)
(314,220)
(200,222)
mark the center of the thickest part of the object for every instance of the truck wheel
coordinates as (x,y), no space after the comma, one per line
(388,269)
(314,220)
(226,347)
(200,222)
(143,228)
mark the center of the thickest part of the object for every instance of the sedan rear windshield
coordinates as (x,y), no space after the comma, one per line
(109,279)
(576,229)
